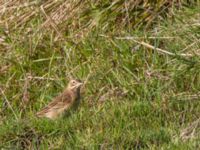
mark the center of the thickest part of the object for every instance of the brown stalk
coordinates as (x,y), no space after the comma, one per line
(190,131)
(53,24)
(161,51)
(26,95)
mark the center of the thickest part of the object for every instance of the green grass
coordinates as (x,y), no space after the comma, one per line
(148,97)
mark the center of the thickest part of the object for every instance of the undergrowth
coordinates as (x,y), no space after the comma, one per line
(136,96)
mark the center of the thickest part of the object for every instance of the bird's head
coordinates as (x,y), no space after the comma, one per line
(74,84)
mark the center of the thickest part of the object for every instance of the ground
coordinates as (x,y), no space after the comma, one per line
(136,96)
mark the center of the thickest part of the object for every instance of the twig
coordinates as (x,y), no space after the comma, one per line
(188,46)
(9,104)
(26,96)
(188,132)
(20,6)
(150,37)
(137,37)
(38,78)
(162,51)
(53,24)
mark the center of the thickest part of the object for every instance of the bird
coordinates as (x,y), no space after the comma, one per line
(68,98)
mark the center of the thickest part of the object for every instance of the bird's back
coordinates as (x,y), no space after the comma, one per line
(58,105)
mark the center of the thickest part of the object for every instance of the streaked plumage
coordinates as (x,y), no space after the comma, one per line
(70,97)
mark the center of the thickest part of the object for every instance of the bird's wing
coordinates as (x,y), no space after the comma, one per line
(62,101)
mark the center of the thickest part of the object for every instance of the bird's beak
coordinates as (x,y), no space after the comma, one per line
(79,84)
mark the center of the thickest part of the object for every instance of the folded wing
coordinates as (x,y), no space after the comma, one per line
(57,106)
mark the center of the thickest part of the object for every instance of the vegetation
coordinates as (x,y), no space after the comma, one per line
(139,62)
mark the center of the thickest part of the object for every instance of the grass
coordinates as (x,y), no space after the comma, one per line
(135,97)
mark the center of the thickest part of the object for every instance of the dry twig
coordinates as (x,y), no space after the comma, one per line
(9,105)
(190,131)
(26,96)
(162,51)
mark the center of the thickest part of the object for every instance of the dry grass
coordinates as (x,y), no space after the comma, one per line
(78,18)
(140,69)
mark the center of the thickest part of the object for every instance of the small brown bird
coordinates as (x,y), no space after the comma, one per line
(70,97)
